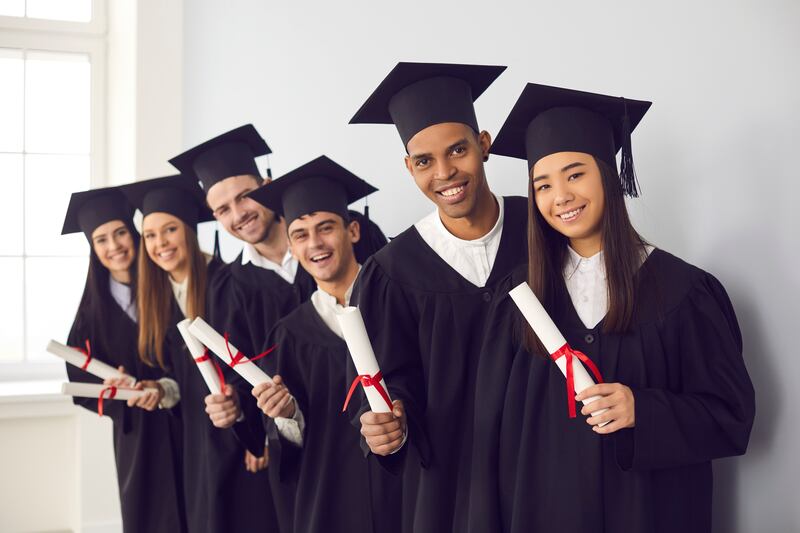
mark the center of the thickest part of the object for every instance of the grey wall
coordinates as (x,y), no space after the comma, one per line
(715,156)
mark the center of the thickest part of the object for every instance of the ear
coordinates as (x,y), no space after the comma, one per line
(354,230)
(409,164)
(485,142)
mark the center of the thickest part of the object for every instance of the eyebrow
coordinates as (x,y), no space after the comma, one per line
(568,167)
(449,149)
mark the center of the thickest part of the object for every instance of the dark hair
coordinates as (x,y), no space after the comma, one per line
(96,302)
(622,253)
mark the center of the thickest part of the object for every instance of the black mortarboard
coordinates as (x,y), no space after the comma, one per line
(88,210)
(547,120)
(319,185)
(417,95)
(177,195)
(230,154)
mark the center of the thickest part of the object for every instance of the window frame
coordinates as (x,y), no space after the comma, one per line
(67,37)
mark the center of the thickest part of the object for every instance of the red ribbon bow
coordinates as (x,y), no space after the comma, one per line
(569,353)
(205,357)
(112,392)
(237,359)
(88,353)
(368,381)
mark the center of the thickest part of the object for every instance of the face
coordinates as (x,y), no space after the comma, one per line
(446,161)
(568,190)
(165,241)
(113,244)
(242,217)
(324,245)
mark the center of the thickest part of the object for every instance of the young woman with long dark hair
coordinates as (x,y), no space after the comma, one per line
(105,327)
(174,275)
(675,393)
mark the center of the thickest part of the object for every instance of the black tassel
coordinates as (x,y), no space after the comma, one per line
(627,173)
(217,251)
(366,211)
(269,169)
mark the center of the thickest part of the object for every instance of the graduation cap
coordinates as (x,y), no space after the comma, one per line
(230,154)
(319,185)
(89,210)
(417,95)
(547,120)
(177,195)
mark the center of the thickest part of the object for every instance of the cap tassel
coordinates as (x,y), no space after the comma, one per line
(627,174)
(269,169)
(217,251)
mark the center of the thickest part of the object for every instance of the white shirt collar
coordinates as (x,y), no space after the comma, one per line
(287,269)
(327,307)
(595,264)
(473,259)
(123,295)
(180,291)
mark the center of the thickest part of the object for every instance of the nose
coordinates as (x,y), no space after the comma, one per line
(444,169)
(563,196)
(162,239)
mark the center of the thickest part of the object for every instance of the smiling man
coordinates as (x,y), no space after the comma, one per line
(426,295)
(248,296)
(337,490)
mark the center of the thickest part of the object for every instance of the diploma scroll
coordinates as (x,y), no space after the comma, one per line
(85,362)
(228,353)
(200,355)
(555,344)
(360,348)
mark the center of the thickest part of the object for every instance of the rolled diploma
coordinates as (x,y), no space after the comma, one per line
(78,358)
(197,350)
(216,343)
(548,333)
(357,339)
(92,390)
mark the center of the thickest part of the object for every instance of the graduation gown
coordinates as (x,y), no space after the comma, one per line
(221,495)
(338,489)
(147,445)
(535,469)
(247,301)
(426,323)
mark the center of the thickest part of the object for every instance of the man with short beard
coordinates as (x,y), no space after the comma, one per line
(249,295)
(425,296)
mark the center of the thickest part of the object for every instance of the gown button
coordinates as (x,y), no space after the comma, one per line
(589,338)
(487,296)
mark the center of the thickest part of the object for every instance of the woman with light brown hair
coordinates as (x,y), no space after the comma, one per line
(172,285)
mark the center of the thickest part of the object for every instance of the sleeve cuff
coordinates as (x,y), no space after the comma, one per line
(172,394)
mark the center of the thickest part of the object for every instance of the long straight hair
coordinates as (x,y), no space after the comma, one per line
(155,298)
(623,250)
(96,301)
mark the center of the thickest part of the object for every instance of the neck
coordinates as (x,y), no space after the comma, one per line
(338,288)
(275,244)
(587,246)
(478,223)
(122,276)
(179,274)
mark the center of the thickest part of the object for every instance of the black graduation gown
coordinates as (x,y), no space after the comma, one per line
(221,496)
(338,489)
(147,445)
(426,322)
(246,301)
(535,469)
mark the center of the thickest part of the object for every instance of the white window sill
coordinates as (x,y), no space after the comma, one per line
(25,399)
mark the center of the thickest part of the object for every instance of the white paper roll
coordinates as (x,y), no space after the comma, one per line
(92,390)
(357,339)
(551,337)
(196,348)
(216,343)
(78,358)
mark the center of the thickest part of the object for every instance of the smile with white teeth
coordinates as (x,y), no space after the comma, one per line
(246,223)
(452,191)
(571,215)
(320,257)
(118,255)
(166,255)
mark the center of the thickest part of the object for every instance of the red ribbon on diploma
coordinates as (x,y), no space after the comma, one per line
(88,353)
(205,357)
(368,381)
(569,353)
(112,392)
(237,359)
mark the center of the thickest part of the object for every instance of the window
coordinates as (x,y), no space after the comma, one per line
(51,101)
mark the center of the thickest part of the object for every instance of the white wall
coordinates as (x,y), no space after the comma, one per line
(715,155)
